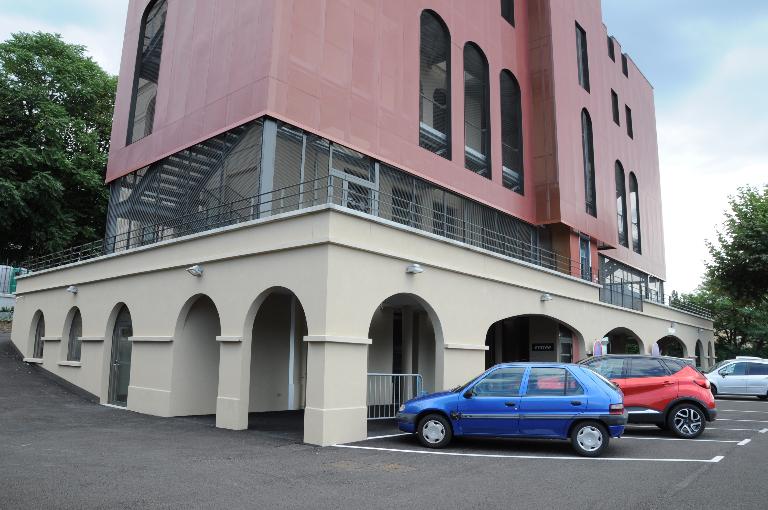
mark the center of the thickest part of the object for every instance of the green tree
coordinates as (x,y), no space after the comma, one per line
(739,266)
(55,118)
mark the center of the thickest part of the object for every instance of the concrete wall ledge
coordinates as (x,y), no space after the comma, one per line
(467,347)
(338,339)
(34,361)
(70,364)
(229,339)
(91,338)
(151,339)
(51,338)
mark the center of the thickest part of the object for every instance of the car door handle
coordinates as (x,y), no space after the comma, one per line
(575,402)
(667,383)
(510,404)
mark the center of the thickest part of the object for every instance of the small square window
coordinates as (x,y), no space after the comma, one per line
(628,115)
(624,65)
(611,49)
(615,107)
(508,11)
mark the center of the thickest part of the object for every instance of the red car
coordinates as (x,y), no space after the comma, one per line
(661,390)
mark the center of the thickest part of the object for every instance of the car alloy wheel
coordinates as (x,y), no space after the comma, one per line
(687,421)
(589,439)
(433,431)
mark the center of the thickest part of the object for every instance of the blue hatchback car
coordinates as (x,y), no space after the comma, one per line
(534,400)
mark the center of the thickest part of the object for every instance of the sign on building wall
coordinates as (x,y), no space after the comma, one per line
(548,347)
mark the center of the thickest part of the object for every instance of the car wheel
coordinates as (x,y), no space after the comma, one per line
(686,421)
(434,431)
(589,438)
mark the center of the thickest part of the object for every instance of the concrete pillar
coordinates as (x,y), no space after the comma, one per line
(149,391)
(234,383)
(336,410)
(407,335)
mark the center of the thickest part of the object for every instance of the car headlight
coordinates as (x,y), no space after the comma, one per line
(401,408)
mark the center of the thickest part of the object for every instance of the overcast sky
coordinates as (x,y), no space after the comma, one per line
(707,60)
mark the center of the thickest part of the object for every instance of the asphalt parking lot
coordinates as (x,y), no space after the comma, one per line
(58,450)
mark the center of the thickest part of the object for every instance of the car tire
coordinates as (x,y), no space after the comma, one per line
(434,431)
(687,421)
(590,438)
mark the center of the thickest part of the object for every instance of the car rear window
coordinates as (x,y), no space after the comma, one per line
(646,367)
(674,365)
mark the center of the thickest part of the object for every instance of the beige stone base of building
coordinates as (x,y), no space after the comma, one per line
(293,312)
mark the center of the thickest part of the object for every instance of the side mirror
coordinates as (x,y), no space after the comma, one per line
(722,373)
(468,394)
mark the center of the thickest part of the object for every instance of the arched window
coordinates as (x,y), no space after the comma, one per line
(511,133)
(621,205)
(634,201)
(142,113)
(435,85)
(37,349)
(589,163)
(477,129)
(75,332)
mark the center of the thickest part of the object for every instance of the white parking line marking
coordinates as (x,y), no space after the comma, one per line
(741,411)
(742,443)
(388,435)
(736,430)
(713,460)
(763,431)
(680,439)
(750,421)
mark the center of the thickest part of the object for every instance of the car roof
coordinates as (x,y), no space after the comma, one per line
(545,364)
(635,356)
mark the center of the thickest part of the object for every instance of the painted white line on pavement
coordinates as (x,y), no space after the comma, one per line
(388,435)
(750,421)
(113,406)
(742,443)
(740,411)
(737,430)
(713,460)
(680,439)
(763,431)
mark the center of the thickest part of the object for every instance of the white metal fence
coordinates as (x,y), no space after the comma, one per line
(386,392)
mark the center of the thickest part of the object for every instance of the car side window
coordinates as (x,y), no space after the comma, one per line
(734,369)
(646,367)
(674,365)
(504,382)
(610,368)
(757,368)
(546,382)
(572,386)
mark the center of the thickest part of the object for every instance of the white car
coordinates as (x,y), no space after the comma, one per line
(744,375)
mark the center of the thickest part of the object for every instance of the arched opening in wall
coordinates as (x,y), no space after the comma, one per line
(120,358)
(623,341)
(404,332)
(672,346)
(532,338)
(195,384)
(699,352)
(36,334)
(73,331)
(278,363)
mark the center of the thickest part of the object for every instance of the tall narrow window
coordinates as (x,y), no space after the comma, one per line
(477,131)
(582,57)
(74,338)
(621,205)
(37,347)
(611,49)
(142,114)
(589,163)
(634,201)
(435,86)
(511,134)
(615,107)
(628,115)
(624,65)
(508,11)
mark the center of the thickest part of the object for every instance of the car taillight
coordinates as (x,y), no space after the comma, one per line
(616,409)
(704,383)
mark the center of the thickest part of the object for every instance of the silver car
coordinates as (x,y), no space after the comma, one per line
(744,375)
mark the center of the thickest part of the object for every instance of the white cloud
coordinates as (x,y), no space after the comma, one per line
(712,142)
(101,30)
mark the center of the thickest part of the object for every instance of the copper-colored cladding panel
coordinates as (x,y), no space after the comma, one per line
(349,70)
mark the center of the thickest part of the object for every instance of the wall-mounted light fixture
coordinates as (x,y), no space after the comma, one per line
(196,270)
(545,297)
(672,327)
(414,269)
(72,289)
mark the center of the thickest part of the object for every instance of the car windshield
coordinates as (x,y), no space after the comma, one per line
(715,367)
(462,387)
